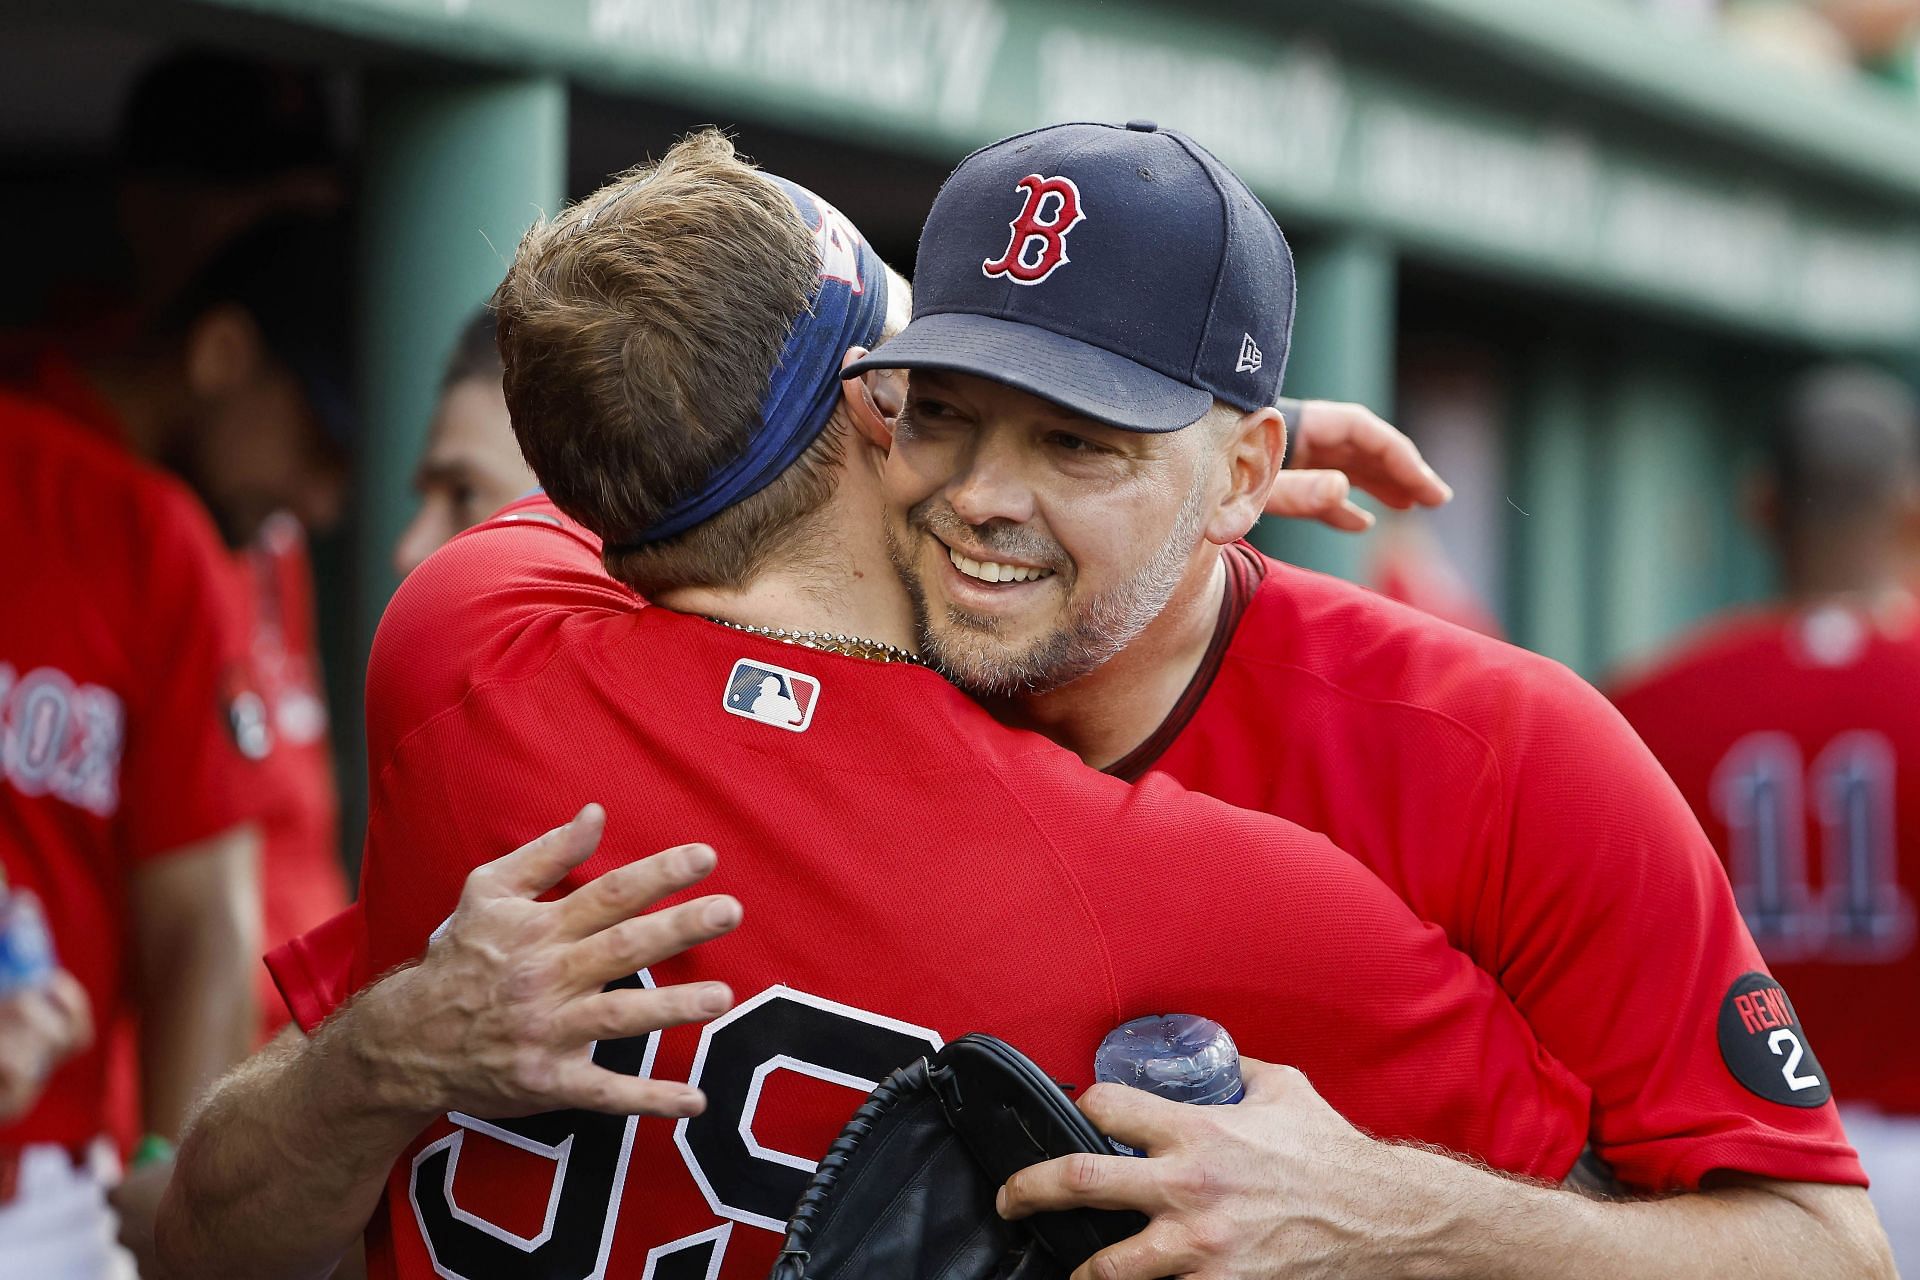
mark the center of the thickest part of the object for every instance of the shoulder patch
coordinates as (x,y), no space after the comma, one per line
(1764,1046)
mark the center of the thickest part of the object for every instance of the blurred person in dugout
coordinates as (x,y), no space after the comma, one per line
(235,384)
(1794,732)
(471,466)
(209,146)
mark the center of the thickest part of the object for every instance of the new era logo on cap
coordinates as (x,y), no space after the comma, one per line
(772,695)
(1249,361)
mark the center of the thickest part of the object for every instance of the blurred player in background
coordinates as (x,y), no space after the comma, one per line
(1070,424)
(239,384)
(1794,732)
(210,145)
(131,775)
(472,466)
(230,385)
(41,1026)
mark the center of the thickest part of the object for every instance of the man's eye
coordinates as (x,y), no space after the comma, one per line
(1073,443)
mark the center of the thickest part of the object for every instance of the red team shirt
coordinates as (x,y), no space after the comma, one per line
(1794,738)
(296,804)
(301,881)
(118,671)
(1505,801)
(911,871)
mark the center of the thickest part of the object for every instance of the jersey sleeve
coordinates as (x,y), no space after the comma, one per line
(1620,941)
(196,736)
(1309,960)
(318,970)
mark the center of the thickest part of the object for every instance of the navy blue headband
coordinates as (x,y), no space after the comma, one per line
(848,310)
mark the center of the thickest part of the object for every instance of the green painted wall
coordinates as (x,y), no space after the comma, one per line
(1548,518)
(1746,199)
(454,170)
(1343,349)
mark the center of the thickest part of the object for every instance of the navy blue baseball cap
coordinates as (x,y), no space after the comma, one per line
(1121,272)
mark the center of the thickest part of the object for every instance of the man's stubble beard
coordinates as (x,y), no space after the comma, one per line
(1092,632)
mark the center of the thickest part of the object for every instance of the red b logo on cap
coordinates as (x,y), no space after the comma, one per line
(1039,242)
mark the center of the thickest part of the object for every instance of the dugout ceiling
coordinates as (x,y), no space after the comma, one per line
(1569,143)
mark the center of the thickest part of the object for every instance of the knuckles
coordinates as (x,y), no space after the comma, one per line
(1082,1173)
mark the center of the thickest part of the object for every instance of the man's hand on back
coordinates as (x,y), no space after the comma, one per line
(1337,448)
(500,1017)
(283,1165)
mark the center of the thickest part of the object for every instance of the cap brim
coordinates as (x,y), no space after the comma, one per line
(1078,376)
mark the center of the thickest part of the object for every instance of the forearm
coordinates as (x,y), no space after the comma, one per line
(1466,1222)
(197,1015)
(283,1166)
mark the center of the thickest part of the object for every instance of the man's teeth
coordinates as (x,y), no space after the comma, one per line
(993,571)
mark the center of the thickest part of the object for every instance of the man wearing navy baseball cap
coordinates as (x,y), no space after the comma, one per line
(1128,281)
(1101,321)
(1180,291)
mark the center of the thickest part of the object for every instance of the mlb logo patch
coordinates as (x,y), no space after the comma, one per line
(772,695)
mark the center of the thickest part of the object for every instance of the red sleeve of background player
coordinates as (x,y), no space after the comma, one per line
(1309,960)
(1609,876)
(320,968)
(193,741)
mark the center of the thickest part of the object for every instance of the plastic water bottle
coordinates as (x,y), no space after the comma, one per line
(26,945)
(1178,1056)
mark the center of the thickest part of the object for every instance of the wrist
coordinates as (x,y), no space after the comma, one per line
(376,1034)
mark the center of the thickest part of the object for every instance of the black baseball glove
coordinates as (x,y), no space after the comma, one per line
(906,1191)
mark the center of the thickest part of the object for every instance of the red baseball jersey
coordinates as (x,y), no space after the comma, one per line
(910,870)
(1795,737)
(123,707)
(301,880)
(1505,801)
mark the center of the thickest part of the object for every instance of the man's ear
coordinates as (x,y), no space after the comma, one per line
(223,349)
(873,401)
(1250,456)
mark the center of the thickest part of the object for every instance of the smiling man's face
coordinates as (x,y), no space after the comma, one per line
(1035,543)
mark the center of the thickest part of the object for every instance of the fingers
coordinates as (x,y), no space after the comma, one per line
(1306,495)
(1150,1255)
(1407,477)
(1265,1082)
(543,862)
(596,1089)
(626,891)
(1348,518)
(634,1011)
(1082,1181)
(1134,1116)
(69,1001)
(1377,455)
(634,944)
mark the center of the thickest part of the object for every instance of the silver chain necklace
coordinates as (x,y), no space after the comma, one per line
(829,642)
